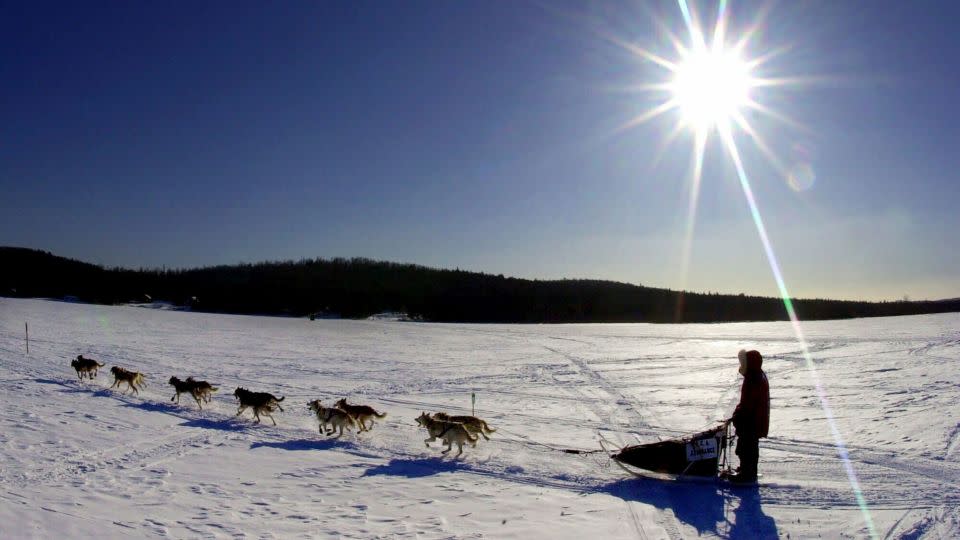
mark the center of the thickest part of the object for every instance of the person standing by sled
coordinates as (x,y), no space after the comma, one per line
(751,418)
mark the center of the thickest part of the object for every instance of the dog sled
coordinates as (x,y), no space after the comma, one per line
(698,457)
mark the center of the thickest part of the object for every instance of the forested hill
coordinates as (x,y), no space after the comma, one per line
(361,287)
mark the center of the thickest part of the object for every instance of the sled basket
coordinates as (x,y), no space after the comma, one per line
(694,455)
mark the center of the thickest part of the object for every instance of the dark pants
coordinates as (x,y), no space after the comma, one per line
(748,449)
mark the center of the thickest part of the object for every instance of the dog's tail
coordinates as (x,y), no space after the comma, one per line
(99,364)
(213,388)
(379,415)
(486,428)
(281,398)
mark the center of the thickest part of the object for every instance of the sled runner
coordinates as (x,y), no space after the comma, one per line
(698,457)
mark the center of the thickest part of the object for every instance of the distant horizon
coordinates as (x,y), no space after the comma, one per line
(163,267)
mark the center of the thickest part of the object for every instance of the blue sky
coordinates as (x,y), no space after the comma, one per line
(480,135)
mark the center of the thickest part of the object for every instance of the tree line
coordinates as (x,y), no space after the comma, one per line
(359,287)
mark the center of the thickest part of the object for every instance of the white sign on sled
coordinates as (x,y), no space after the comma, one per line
(699,449)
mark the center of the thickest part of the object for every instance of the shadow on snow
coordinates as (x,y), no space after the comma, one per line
(222,424)
(153,406)
(51,381)
(77,387)
(733,513)
(416,468)
(304,444)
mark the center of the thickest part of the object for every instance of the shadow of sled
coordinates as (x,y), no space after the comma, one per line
(733,513)
(416,468)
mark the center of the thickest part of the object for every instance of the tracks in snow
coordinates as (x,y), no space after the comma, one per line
(143,455)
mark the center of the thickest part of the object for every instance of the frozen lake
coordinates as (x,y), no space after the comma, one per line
(82,460)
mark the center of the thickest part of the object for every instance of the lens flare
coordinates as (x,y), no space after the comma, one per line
(801,177)
(711,87)
(798,332)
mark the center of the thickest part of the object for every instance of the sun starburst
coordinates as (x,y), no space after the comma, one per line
(711,87)
(710,84)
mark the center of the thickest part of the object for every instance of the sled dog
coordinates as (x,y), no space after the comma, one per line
(86,366)
(261,402)
(180,387)
(203,389)
(196,389)
(134,379)
(449,432)
(337,418)
(472,423)
(360,413)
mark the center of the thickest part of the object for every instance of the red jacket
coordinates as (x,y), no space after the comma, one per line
(751,418)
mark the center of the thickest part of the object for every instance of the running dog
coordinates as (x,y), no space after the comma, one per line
(472,423)
(360,413)
(134,379)
(86,366)
(335,417)
(202,389)
(449,432)
(261,402)
(196,389)
(181,387)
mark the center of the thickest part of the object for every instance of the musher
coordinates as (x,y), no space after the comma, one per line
(751,418)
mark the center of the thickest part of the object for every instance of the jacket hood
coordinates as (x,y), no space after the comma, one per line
(750,361)
(754,361)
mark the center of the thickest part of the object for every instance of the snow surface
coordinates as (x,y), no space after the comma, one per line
(78,459)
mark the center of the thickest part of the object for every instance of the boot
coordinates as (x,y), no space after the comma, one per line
(743,478)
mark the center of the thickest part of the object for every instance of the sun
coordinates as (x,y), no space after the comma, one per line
(710,87)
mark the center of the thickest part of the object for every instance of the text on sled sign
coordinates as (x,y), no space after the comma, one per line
(699,449)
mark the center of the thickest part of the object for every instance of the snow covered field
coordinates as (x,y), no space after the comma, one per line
(80,460)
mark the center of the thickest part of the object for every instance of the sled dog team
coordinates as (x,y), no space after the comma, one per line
(449,429)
